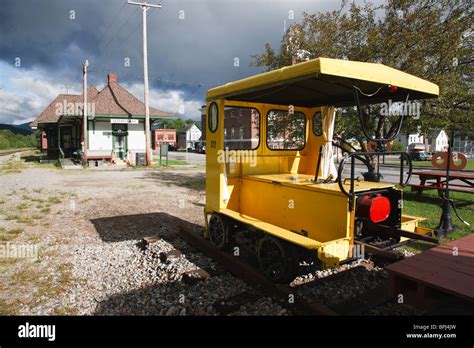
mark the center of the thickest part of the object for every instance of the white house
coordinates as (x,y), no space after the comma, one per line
(188,136)
(440,142)
(434,142)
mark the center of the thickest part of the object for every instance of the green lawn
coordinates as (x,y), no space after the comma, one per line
(170,163)
(428,206)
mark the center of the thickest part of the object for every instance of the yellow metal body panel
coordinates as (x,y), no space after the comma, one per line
(371,72)
(322,216)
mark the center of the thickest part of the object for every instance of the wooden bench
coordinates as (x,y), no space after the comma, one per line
(453,188)
(466,177)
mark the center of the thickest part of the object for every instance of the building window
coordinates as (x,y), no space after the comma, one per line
(244,128)
(286,131)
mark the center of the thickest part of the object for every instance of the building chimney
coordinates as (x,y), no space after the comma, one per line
(112,77)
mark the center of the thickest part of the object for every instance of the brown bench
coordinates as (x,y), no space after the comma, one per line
(466,177)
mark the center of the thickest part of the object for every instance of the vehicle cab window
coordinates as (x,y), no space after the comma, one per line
(286,130)
(241,128)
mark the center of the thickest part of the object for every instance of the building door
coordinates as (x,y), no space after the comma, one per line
(119,132)
(66,141)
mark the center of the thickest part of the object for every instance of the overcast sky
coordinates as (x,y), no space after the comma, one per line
(190,42)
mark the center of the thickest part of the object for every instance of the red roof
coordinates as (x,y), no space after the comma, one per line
(113,100)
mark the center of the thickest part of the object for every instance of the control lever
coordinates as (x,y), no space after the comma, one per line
(356,179)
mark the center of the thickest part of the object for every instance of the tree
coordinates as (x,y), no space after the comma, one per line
(427,38)
(175,124)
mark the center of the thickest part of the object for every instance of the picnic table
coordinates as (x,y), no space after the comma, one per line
(436,179)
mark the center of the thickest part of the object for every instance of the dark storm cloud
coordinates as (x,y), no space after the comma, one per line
(199,48)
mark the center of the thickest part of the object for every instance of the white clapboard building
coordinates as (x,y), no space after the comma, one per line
(115,125)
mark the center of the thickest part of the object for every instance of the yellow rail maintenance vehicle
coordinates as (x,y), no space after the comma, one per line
(270,174)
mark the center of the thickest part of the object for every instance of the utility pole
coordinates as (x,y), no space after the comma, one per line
(84,109)
(145,6)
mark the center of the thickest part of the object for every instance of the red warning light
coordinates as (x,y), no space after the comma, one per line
(392,88)
(379,209)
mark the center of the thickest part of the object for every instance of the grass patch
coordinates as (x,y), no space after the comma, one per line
(36,217)
(38,200)
(429,206)
(11,167)
(52,285)
(10,234)
(177,163)
(19,219)
(54,200)
(38,190)
(8,308)
(34,239)
(63,311)
(198,184)
(171,162)
(22,206)
(46,210)
(2,201)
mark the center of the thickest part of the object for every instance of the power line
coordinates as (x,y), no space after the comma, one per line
(112,23)
(116,33)
(122,43)
(194,91)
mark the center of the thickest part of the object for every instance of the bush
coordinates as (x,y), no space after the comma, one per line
(10,140)
(397,146)
(4,144)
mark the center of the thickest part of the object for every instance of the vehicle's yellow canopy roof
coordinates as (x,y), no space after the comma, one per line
(326,81)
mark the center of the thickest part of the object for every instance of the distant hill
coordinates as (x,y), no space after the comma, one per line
(23,129)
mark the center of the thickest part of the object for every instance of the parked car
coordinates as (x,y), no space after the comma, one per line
(420,156)
(201,148)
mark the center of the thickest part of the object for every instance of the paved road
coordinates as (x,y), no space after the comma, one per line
(191,157)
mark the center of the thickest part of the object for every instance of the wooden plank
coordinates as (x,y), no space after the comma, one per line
(449,282)
(435,264)
(443,257)
(467,242)
(438,269)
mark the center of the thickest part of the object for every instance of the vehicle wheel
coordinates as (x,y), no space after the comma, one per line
(277,259)
(219,231)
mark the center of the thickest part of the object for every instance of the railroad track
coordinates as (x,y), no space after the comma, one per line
(9,153)
(298,299)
